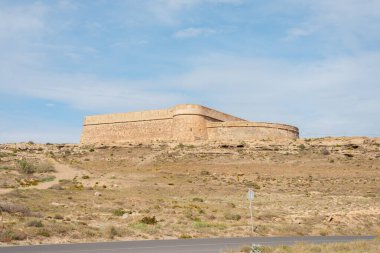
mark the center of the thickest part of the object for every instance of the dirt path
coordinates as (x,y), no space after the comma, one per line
(63,171)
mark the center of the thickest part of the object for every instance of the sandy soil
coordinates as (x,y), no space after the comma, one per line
(326,186)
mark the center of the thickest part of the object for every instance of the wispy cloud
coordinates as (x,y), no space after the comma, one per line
(331,94)
(67,4)
(298,32)
(21,21)
(169,11)
(346,24)
(128,44)
(88,92)
(327,97)
(330,88)
(194,32)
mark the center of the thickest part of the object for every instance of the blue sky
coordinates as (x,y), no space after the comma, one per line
(312,64)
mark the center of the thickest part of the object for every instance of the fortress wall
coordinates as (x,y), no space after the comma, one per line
(184,109)
(128,117)
(226,131)
(132,126)
(134,131)
(190,121)
(190,127)
(190,109)
(186,122)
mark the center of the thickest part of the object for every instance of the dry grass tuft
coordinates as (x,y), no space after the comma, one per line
(15,208)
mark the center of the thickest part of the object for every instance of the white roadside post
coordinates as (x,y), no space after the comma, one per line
(251,196)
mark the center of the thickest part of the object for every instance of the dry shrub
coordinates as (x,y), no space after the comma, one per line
(15,208)
(325,152)
(28,167)
(119,212)
(35,223)
(230,216)
(149,220)
(8,235)
(43,232)
(45,167)
(185,236)
(196,199)
(205,173)
(111,232)
(58,216)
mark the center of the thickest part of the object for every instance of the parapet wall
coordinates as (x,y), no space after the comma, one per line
(238,130)
(185,122)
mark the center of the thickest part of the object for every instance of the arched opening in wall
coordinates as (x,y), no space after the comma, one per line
(191,129)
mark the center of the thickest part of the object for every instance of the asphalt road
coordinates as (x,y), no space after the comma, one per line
(176,246)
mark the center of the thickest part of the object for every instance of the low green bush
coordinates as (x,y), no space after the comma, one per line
(119,212)
(230,216)
(149,220)
(35,223)
(9,235)
(26,167)
(196,199)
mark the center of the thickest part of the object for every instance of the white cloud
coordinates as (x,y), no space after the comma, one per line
(332,96)
(129,44)
(327,97)
(297,32)
(169,11)
(21,21)
(67,5)
(87,92)
(346,24)
(193,32)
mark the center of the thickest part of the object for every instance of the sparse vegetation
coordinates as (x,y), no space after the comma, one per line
(196,199)
(12,208)
(58,216)
(184,236)
(43,232)
(44,167)
(119,212)
(27,167)
(301,147)
(8,235)
(112,231)
(5,168)
(199,191)
(35,223)
(149,220)
(350,247)
(230,216)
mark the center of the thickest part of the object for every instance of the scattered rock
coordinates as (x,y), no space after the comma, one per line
(98,194)
(56,204)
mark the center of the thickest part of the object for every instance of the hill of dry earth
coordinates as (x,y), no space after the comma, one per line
(69,193)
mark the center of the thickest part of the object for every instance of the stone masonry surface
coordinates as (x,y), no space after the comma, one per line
(182,123)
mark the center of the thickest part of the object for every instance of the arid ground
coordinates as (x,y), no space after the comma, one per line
(372,246)
(52,193)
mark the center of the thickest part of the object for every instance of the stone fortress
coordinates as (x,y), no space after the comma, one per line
(181,123)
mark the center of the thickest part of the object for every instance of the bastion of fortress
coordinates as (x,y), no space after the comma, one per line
(182,123)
